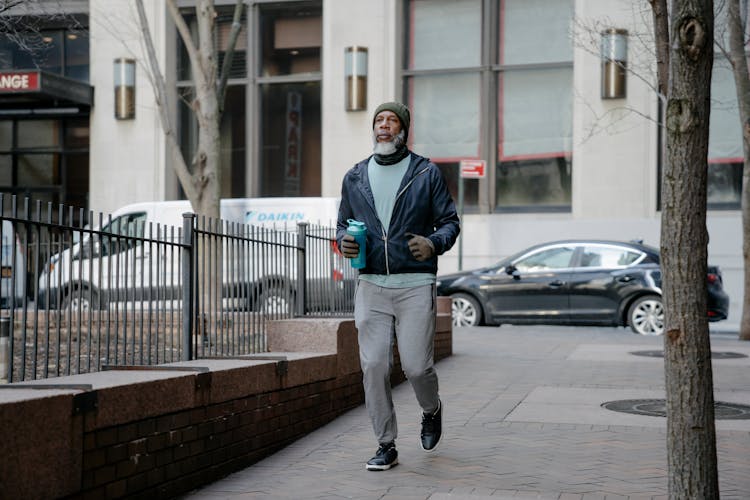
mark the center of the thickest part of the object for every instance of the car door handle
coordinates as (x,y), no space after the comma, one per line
(557,283)
(625,279)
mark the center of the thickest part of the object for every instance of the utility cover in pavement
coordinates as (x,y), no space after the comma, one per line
(714,355)
(658,408)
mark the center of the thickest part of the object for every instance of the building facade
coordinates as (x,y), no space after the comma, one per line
(526,86)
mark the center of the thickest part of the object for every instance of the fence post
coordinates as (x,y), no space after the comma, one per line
(4,348)
(188,284)
(301,267)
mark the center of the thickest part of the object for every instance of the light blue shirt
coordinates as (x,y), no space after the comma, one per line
(384,183)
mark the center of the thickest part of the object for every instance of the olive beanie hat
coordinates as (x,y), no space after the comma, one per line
(400,110)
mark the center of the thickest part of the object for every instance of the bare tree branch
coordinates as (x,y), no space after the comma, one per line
(184,30)
(6,5)
(160,89)
(586,38)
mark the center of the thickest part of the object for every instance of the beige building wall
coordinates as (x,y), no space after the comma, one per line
(614,140)
(347,135)
(127,157)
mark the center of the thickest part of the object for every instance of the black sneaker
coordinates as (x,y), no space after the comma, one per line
(432,429)
(385,458)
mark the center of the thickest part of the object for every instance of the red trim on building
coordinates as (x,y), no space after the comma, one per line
(725,160)
(537,156)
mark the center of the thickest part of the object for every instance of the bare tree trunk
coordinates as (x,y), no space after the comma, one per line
(206,107)
(742,84)
(691,435)
(201,182)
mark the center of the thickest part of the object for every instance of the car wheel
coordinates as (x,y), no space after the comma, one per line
(276,302)
(465,310)
(83,300)
(646,316)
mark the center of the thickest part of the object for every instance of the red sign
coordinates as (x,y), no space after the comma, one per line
(473,169)
(19,81)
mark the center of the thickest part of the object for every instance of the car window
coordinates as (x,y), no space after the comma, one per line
(609,256)
(550,258)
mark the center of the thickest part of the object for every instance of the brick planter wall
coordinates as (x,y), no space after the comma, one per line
(149,432)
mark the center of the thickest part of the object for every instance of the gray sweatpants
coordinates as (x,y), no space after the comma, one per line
(408,315)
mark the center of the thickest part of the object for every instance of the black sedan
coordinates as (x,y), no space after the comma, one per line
(572,282)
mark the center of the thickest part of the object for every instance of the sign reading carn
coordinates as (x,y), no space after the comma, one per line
(19,81)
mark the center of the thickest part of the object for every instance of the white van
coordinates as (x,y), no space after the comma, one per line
(102,271)
(11,283)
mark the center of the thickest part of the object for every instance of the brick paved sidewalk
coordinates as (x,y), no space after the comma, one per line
(522,420)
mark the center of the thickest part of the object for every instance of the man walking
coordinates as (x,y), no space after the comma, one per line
(410,217)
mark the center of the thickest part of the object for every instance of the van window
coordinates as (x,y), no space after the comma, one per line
(129,225)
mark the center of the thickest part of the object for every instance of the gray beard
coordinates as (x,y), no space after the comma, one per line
(387,148)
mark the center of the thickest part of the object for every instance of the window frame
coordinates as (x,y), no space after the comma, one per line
(490,71)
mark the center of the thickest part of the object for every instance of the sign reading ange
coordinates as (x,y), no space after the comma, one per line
(19,81)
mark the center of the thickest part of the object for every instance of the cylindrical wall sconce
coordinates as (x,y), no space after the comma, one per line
(355,68)
(614,55)
(124,89)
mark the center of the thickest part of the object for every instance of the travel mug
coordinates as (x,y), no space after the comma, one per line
(359,231)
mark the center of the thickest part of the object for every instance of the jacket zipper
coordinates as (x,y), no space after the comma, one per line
(385,244)
(385,236)
(409,184)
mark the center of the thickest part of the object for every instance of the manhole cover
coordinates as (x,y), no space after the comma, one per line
(658,408)
(714,354)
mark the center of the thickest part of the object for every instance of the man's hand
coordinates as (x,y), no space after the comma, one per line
(349,247)
(421,247)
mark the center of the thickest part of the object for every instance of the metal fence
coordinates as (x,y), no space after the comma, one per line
(82,293)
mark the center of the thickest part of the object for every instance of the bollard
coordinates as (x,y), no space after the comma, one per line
(4,345)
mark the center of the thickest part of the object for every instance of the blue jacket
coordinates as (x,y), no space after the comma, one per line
(423,206)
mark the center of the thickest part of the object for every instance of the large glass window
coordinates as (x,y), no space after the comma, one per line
(291,37)
(724,140)
(543,183)
(46,159)
(445,34)
(535,106)
(232,127)
(445,116)
(60,51)
(510,103)
(443,85)
(283,69)
(536,113)
(535,31)
(290,140)
(221,32)
(289,82)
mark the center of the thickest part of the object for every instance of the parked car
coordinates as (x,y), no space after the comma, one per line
(573,282)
